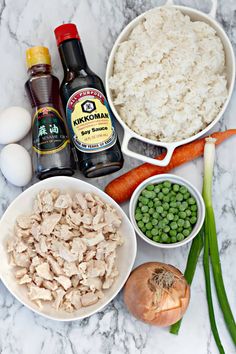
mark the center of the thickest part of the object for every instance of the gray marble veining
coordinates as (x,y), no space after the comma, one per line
(24,23)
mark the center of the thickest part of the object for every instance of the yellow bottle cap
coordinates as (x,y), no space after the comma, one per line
(37,55)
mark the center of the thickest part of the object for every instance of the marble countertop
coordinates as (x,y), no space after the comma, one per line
(26,23)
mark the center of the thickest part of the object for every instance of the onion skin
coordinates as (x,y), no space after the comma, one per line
(138,296)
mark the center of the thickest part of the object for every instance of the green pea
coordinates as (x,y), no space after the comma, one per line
(160,195)
(193,207)
(140,224)
(173,225)
(176,187)
(154,222)
(145,201)
(165,220)
(176,217)
(143,229)
(157,189)
(173,198)
(165,190)
(188,212)
(173,239)
(166,198)
(138,210)
(150,187)
(180,236)
(182,214)
(170,216)
(186,195)
(138,216)
(180,222)
(183,190)
(193,220)
(187,224)
(172,210)
(191,201)
(168,240)
(167,184)
(140,204)
(144,209)
(179,197)
(164,237)
(148,195)
(148,234)
(154,232)
(155,215)
(161,224)
(150,204)
(146,219)
(164,213)
(166,229)
(149,226)
(157,203)
(173,204)
(144,192)
(173,232)
(194,213)
(186,232)
(151,211)
(159,209)
(156,238)
(166,206)
(180,229)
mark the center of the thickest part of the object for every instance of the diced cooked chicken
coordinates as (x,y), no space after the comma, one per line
(24,222)
(92,241)
(89,299)
(21,259)
(65,250)
(65,282)
(25,279)
(37,293)
(92,283)
(107,283)
(63,201)
(95,268)
(20,273)
(59,293)
(81,201)
(50,285)
(70,269)
(44,271)
(49,223)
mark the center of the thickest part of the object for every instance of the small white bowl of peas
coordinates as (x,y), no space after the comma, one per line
(167,211)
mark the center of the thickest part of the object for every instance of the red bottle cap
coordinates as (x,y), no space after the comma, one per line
(66,31)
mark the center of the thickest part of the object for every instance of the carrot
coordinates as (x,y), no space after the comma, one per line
(121,188)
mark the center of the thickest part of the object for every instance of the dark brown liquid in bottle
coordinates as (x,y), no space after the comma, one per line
(78,76)
(52,159)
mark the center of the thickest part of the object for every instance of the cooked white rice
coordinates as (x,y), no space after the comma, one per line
(169,79)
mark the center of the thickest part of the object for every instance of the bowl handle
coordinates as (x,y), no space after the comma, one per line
(212,12)
(135,155)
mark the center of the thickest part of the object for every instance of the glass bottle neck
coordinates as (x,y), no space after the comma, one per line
(72,55)
(40,69)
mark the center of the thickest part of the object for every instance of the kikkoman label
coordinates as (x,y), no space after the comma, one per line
(90,121)
(49,131)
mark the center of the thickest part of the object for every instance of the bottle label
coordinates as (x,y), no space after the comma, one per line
(49,131)
(90,121)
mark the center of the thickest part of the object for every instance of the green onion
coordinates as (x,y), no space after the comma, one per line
(210,234)
(193,256)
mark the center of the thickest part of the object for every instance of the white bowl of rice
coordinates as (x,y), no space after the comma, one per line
(169,78)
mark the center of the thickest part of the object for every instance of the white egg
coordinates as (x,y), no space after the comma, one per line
(15,123)
(16,165)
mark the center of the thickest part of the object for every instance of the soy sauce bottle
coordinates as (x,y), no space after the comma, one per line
(51,148)
(89,117)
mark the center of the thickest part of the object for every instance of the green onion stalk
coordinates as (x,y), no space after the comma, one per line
(211,241)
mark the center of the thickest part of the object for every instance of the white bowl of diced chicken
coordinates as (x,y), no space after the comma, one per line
(66,248)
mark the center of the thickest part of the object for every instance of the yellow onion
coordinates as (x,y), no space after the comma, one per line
(157,293)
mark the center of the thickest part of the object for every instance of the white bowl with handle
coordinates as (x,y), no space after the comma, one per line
(23,204)
(194,15)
